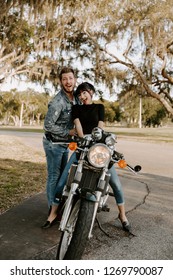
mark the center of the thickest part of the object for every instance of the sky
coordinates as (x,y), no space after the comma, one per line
(22,86)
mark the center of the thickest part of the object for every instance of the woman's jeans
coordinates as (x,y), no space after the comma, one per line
(57,157)
(114,181)
(116,186)
(63,178)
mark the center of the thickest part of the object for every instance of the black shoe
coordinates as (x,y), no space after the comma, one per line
(49,224)
(126,225)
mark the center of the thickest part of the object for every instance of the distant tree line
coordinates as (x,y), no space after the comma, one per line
(26,107)
(29,107)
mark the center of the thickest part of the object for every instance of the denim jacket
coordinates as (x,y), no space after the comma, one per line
(58,119)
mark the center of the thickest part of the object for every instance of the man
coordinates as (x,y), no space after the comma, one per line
(59,127)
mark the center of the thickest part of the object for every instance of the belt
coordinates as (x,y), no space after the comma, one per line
(49,137)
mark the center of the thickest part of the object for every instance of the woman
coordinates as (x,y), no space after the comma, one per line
(86,117)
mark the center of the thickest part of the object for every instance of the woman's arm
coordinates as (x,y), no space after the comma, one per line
(78,127)
(101,124)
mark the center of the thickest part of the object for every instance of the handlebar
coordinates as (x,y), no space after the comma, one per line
(117,157)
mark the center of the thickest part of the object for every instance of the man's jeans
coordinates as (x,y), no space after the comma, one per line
(57,157)
(114,181)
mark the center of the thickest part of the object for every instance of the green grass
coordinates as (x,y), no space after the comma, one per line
(152,134)
(19,180)
(23,129)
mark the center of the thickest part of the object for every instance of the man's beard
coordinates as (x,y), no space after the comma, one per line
(68,91)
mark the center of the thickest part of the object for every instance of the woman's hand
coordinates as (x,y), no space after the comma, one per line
(73,132)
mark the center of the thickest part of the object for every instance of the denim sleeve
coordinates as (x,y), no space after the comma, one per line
(51,123)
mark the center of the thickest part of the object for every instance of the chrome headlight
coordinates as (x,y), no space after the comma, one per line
(97,133)
(110,141)
(99,155)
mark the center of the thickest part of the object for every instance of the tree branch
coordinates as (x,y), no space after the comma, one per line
(160,97)
(165,74)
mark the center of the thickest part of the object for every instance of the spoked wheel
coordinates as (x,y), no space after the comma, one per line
(68,233)
(74,238)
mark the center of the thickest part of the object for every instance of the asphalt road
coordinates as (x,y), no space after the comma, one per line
(149,206)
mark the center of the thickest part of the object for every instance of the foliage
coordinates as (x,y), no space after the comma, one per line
(112,111)
(114,41)
(34,107)
(153,114)
(35,104)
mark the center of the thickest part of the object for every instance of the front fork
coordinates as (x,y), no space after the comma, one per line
(68,206)
(69,201)
(101,187)
(98,197)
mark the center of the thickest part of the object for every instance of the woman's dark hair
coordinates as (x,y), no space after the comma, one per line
(84,87)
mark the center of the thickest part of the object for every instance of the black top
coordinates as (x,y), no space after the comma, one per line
(89,115)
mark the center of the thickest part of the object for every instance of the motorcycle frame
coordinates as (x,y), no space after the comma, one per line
(101,186)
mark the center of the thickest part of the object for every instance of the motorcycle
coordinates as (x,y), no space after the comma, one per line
(87,190)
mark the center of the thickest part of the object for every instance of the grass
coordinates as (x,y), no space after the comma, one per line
(19,180)
(163,134)
(38,129)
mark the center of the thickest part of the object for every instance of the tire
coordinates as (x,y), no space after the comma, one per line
(72,244)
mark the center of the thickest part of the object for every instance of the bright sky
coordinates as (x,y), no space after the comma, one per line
(22,86)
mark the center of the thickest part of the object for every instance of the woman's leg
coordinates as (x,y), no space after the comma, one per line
(63,179)
(119,197)
(116,186)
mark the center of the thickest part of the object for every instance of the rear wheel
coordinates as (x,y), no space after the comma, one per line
(74,238)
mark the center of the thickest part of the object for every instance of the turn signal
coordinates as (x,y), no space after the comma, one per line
(122,163)
(72,146)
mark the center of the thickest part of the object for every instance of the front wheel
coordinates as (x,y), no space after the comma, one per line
(74,239)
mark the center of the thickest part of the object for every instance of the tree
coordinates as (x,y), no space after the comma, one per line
(112,111)
(153,113)
(144,33)
(30,38)
(25,107)
(10,108)
(115,40)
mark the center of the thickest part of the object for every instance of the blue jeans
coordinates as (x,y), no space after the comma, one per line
(63,179)
(116,186)
(114,181)
(56,157)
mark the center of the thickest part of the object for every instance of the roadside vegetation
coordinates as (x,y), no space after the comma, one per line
(19,180)
(29,108)
(22,172)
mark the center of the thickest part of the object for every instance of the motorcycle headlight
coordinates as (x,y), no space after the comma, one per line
(96,133)
(99,155)
(110,141)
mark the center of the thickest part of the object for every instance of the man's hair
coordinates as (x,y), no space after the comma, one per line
(65,70)
(84,87)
